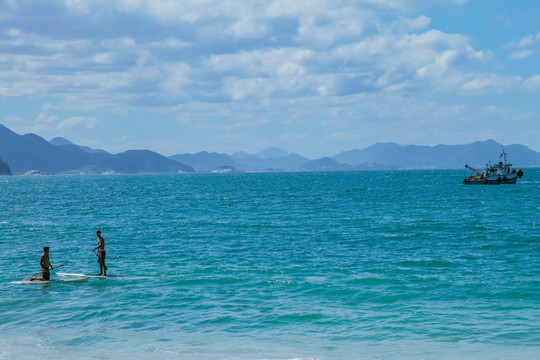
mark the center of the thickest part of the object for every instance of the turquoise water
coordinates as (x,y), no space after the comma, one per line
(360,265)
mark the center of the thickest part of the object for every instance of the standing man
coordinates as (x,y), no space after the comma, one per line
(45,265)
(101,253)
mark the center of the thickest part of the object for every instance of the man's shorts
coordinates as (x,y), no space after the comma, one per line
(101,257)
(46,274)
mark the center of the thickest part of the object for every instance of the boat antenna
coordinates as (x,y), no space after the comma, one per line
(503,155)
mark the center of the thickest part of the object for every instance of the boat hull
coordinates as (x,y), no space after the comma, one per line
(491,180)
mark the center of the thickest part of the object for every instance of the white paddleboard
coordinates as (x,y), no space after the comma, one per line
(73,279)
(87,275)
(69,279)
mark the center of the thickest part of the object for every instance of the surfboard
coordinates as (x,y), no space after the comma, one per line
(87,275)
(67,279)
(73,279)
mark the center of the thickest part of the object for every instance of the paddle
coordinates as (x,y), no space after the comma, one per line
(95,252)
(59,266)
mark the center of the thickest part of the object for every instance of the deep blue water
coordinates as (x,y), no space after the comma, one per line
(352,265)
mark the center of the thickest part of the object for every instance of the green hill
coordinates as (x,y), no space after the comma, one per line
(4,168)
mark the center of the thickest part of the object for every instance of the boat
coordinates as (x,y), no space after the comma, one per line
(502,173)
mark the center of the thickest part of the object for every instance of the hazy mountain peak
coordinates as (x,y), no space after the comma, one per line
(272,152)
(60,141)
(241,154)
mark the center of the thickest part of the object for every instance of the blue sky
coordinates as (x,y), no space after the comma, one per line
(311,77)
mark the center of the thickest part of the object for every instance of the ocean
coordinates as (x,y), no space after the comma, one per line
(281,266)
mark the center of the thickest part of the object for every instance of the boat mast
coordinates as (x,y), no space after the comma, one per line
(503,155)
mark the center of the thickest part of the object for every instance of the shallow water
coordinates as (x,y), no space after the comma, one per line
(359,265)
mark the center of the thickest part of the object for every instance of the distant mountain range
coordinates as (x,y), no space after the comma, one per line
(476,154)
(32,154)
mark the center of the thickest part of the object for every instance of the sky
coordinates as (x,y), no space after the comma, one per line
(314,77)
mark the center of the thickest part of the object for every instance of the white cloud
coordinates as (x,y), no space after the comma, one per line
(329,27)
(524,47)
(490,83)
(14,119)
(239,89)
(439,66)
(118,43)
(77,122)
(14,33)
(521,54)
(104,58)
(176,77)
(532,83)
(394,59)
(526,41)
(173,43)
(261,62)
(478,85)
(246,28)
(44,120)
(79,6)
